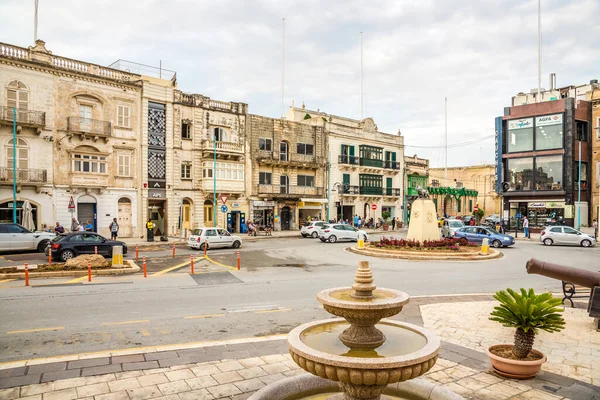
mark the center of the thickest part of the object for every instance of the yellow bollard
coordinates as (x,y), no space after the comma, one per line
(485,246)
(360,243)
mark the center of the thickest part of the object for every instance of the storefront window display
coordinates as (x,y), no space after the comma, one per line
(542,214)
(520,173)
(549,173)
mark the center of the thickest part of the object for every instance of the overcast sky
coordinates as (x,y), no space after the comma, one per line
(478,53)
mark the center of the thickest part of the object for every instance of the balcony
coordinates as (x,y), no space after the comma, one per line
(351,190)
(34,119)
(370,162)
(395,165)
(289,190)
(346,160)
(393,192)
(225,150)
(370,190)
(223,185)
(25,176)
(89,180)
(89,127)
(294,160)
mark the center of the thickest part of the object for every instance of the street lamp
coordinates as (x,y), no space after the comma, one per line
(15,165)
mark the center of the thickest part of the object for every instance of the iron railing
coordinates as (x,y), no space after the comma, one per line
(370,162)
(392,192)
(351,190)
(24,175)
(345,159)
(87,125)
(371,190)
(267,155)
(290,190)
(26,117)
(391,165)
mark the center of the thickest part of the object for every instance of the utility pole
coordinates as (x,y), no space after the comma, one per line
(539,98)
(328,187)
(579,184)
(445,141)
(14,165)
(361,76)
(215,182)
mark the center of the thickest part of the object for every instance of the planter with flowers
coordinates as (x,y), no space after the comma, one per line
(386,217)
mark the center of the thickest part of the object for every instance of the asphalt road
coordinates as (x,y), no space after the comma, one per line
(274,291)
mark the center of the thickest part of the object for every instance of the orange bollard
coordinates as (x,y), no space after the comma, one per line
(26,274)
(137,252)
(95,249)
(239,261)
(145,275)
(89,271)
(192,263)
(173,250)
(205,249)
(50,258)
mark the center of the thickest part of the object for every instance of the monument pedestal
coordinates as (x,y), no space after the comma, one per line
(423,221)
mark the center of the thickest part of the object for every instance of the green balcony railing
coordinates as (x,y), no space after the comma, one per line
(369,162)
(371,190)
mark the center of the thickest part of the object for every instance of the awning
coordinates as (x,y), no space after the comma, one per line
(314,200)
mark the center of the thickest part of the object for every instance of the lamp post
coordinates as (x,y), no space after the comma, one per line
(215,182)
(579,184)
(404,206)
(15,165)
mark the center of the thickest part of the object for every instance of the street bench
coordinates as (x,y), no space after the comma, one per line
(572,291)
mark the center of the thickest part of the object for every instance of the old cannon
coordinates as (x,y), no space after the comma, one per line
(575,276)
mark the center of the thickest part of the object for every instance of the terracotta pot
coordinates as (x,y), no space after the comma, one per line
(515,369)
(385,227)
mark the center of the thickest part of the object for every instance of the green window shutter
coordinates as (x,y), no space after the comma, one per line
(346,179)
(435,203)
(342,150)
(471,205)
(394,156)
(351,151)
(388,182)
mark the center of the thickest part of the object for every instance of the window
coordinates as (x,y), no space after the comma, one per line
(284,182)
(283,151)
(548,173)
(371,184)
(570,231)
(123,164)
(208,213)
(207,171)
(87,163)
(556,230)
(583,175)
(265,144)
(306,180)
(211,232)
(186,171)
(520,173)
(265,178)
(220,134)
(22,154)
(549,137)
(85,117)
(17,95)
(123,116)
(186,130)
(520,135)
(582,134)
(305,149)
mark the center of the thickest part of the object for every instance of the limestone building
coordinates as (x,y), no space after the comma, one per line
(594,99)
(77,139)
(366,165)
(288,162)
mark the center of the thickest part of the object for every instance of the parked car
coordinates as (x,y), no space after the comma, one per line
(567,236)
(70,245)
(13,237)
(441,221)
(450,226)
(467,219)
(476,234)
(311,229)
(213,238)
(492,219)
(333,232)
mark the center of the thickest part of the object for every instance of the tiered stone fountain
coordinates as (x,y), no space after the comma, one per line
(359,351)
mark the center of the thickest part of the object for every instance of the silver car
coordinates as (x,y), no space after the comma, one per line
(13,237)
(566,236)
(450,226)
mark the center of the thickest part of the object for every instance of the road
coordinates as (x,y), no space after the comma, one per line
(274,291)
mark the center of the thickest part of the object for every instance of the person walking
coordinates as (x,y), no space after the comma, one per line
(359,223)
(58,229)
(114,229)
(74,225)
(393,224)
(526,226)
(595,225)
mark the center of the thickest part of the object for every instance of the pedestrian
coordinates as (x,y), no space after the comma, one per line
(360,222)
(150,230)
(393,224)
(114,229)
(80,228)
(355,220)
(526,226)
(595,225)
(58,229)
(88,226)
(74,225)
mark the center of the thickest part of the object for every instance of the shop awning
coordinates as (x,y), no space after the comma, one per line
(314,200)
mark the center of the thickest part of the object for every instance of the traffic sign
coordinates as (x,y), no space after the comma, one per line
(373,207)
(224,208)
(224,199)
(71,204)
(476,208)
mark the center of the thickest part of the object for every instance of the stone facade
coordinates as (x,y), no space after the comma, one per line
(287,162)
(594,98)
(77,131)
(366,165)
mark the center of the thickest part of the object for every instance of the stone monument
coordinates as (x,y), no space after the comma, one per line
(423,219)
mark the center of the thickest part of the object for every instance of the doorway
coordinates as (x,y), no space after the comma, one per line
(156,213)
(208,213)
(124,217)
(186,214)
(86,211)
(365,211)
(447,206)
(286,216)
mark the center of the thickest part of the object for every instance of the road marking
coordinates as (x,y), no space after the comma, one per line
(56,328)
(272,311)
(6,280)
(77,280)
(164,271)
(139,321)
(144,332)
(221,264)
(204,316)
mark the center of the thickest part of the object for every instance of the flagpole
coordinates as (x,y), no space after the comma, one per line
(35,20)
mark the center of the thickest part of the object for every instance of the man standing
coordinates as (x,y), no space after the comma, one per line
(595,225)
(58,229)
(393,224)
(74,225)
(526,226)
(114,229)
(355,220)
(150,230)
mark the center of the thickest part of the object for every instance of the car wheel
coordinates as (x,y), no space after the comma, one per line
(67,255)
(203,246)
(236,244)
(497,244)
(42,246)
(548,242)
(332,239)
(315,235)
(586,243)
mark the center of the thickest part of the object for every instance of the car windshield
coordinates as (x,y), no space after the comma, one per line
(197,232)
(455,223)
(58,238)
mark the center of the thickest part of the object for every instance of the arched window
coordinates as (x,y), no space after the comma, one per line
(17,95)
(22,154)
(220,135)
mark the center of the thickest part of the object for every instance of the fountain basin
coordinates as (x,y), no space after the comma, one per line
(376,371)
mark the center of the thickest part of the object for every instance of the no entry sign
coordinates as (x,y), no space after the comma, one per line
(373,207)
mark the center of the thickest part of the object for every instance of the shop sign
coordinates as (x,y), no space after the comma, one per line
(235,205)
(264,204)
(537,205)
(549,120)
(546,204)
(498,153)
(520,123)
(156,194)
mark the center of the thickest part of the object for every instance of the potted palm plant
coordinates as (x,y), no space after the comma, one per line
(386,217)
(528,313)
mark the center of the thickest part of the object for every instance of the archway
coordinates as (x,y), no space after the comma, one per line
(286,217)
(186,214)
(447,205)
(208,213)
(86,211)
(124,216)
(365,211)
(6,211)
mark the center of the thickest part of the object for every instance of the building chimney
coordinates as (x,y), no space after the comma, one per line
(552,81)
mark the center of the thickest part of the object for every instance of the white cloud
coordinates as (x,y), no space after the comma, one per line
(477,53)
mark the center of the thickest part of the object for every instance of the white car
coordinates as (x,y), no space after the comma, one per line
(213,238)
(450,226)
(13,237)
(311,229)
(333,232)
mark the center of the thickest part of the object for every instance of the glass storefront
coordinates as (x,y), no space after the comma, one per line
(520,173)
(539,213)
(548,173)
(549,137)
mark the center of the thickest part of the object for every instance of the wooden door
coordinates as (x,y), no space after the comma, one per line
(124,219)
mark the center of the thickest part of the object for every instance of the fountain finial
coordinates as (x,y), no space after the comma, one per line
(363,282)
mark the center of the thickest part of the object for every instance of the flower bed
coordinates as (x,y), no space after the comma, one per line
(450,245)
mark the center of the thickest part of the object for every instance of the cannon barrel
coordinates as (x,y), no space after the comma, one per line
(576,276)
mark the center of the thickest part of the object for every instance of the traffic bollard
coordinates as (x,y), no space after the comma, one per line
(239,261)
(485,246)
(205,249)
(144,258)
(50,258)
(89,271)
(137,252)
(173,250)
(95,249)
(192,263)
(26,274)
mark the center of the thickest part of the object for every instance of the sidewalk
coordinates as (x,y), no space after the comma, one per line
(237,368)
